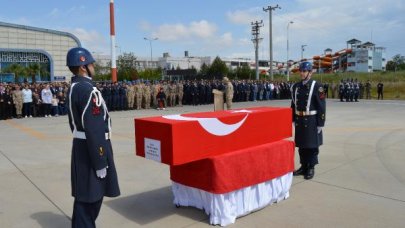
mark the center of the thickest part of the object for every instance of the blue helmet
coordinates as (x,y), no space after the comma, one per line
(306,66)
(79,56)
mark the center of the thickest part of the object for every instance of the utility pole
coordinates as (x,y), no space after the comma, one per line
(256,39)
(150,45)
(288,51)
(302,51)
(270,9)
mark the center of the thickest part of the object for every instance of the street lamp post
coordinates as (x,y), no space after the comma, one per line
(150,45)
(302,51)
(288,49)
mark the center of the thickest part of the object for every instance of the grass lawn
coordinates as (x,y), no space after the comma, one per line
(394,82)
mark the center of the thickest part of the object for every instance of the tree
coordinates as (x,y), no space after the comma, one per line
(102,72)
(204,70)
(397,63)
(243,72)
(32,70)
(126,66)
(44,70)
(218,68)
(17,69)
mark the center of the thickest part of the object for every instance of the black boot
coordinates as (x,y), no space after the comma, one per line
(310,173)
(301,171)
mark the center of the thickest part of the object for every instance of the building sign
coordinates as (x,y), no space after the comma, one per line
(59,78)
(23,57)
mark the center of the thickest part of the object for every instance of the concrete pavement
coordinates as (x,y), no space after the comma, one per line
(360,181)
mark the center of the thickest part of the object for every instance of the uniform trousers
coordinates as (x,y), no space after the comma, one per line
(85,214)
(308,156)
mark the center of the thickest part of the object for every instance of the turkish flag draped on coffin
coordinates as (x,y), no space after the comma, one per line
(179,139)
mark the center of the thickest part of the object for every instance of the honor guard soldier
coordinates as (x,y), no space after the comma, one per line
(93,173)
(308,108)
(228,92)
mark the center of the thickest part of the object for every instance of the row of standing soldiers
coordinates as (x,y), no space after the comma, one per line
(352,90)
(143,94)
(138,95)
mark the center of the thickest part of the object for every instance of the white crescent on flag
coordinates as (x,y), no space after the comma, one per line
(212,125)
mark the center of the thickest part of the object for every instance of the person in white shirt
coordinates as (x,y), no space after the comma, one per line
(46,96)
(27,101)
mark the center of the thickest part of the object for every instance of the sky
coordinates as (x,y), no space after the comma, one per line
(218,27)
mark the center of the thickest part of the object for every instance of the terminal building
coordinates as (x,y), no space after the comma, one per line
(26,45)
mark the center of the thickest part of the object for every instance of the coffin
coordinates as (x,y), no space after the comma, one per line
(241,168)
(179,139)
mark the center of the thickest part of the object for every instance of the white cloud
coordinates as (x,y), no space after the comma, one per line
(226,39)
(91,40)
(171,32)
(243,17)
(203,29)
(322,26)
(176,32)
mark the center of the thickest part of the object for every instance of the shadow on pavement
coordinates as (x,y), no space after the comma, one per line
(151,206)
(49,219)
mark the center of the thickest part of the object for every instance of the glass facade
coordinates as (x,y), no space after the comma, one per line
(25,60)
(25,45)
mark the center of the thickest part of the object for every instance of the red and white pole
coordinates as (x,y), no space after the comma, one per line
(112,33)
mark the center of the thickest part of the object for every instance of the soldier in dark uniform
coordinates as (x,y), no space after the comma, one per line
(107,95)
(351,90)
(356,90)
(93,173)
(341,90)
(380,88)
(122,91)
(308,108)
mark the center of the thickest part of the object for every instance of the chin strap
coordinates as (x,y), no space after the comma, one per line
(306,77)
(88,71)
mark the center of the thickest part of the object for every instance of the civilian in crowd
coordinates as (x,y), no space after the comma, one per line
(27,101)
(46,97)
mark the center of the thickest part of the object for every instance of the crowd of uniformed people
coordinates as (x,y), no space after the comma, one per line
(349,90)
(24,100)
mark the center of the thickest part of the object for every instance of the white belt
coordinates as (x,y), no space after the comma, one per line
(82,135)
(305,113)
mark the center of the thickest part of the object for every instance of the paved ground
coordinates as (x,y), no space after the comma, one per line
(360,181)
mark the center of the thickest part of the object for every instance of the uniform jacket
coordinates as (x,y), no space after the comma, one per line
(306,134)
(88,113)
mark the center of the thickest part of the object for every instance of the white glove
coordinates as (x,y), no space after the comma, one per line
(102,172)
(319,129)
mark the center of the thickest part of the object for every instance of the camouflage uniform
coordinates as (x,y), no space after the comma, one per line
(228,93)
(130,96)
(138,93)
(18,101)
(172,94)
(155,91)
(146,95)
